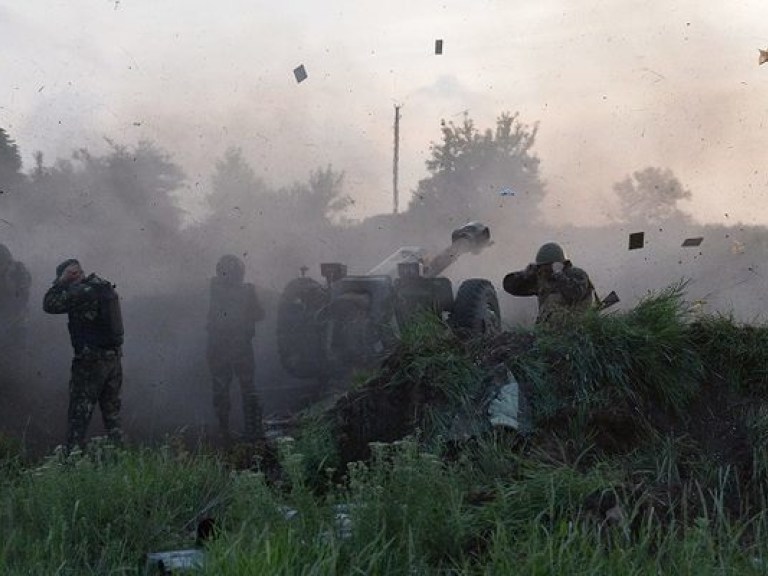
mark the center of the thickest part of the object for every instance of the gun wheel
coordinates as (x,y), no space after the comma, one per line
(476,309)
(299,342)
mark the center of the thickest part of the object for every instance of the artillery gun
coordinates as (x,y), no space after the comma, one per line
(353,321)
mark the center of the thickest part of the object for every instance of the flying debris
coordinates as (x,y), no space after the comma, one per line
(439,47)
(737,247)
(300,73)
(609,300)
(763,57)
(689,242)
(636,240)
(506,192)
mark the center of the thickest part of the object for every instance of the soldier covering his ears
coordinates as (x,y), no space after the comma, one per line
(560,287)
(96,332)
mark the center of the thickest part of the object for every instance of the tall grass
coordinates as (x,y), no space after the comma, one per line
(493,504)
(406,511)
(85,513)
(733,352)
(635,358)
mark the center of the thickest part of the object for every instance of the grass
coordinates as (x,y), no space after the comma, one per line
(557,502)
(407,511)
(78,514)
(643,356)
(733,352)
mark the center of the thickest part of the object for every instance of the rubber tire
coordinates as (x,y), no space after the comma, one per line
(299,336)
(476,309)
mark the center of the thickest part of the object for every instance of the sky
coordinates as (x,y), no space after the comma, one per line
(614,85)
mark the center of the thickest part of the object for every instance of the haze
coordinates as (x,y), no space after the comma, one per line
(615,86)
(669,88)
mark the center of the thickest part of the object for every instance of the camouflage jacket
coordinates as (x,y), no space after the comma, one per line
(234,310)
(570,290)
(93,307)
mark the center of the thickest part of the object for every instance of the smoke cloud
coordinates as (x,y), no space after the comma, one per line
(613,87)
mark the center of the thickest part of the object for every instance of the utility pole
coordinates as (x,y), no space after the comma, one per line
(395,196)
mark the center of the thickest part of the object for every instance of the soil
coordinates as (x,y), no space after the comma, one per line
(713,428)
(383,410)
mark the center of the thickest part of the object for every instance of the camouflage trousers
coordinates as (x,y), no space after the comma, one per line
(227,363)
(97,377)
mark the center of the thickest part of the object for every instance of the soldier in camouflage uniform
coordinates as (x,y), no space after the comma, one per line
(15,282)
(232,316)
(96,331)
(561,288)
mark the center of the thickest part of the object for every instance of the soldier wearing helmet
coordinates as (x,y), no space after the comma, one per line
(559,286)
(232,315)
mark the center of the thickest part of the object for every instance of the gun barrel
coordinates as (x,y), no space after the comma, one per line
(472,237)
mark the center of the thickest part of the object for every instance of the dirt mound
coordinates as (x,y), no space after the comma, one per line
(407,392)
(617,385)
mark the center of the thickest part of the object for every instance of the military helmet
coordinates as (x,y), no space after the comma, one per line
(549,253)
(230,267)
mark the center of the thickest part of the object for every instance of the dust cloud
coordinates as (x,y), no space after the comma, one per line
(171,136)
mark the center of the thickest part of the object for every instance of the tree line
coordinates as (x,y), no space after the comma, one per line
(125,204)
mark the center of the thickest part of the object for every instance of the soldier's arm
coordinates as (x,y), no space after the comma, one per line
(521,283)
(61,299)
(573,284)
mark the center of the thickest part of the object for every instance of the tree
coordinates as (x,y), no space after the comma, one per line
(279,230)
(143,180)
(651,196)
(116,207)
(10,163)
(235,185)
(471,173)
(321,198)
(241,207)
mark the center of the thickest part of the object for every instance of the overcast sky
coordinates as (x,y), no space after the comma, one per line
(616,85)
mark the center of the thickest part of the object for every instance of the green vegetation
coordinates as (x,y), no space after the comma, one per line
(648,456)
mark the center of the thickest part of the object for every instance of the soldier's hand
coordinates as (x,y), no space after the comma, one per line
(70,275)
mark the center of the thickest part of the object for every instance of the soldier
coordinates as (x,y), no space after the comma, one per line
(232,316)
(559,286)
(14,311)
(96,331)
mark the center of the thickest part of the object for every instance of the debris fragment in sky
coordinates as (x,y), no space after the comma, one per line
(636,240)
(688,242)
(763,57)
(439,47)
(506,192)
(300,73)
(737,247)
